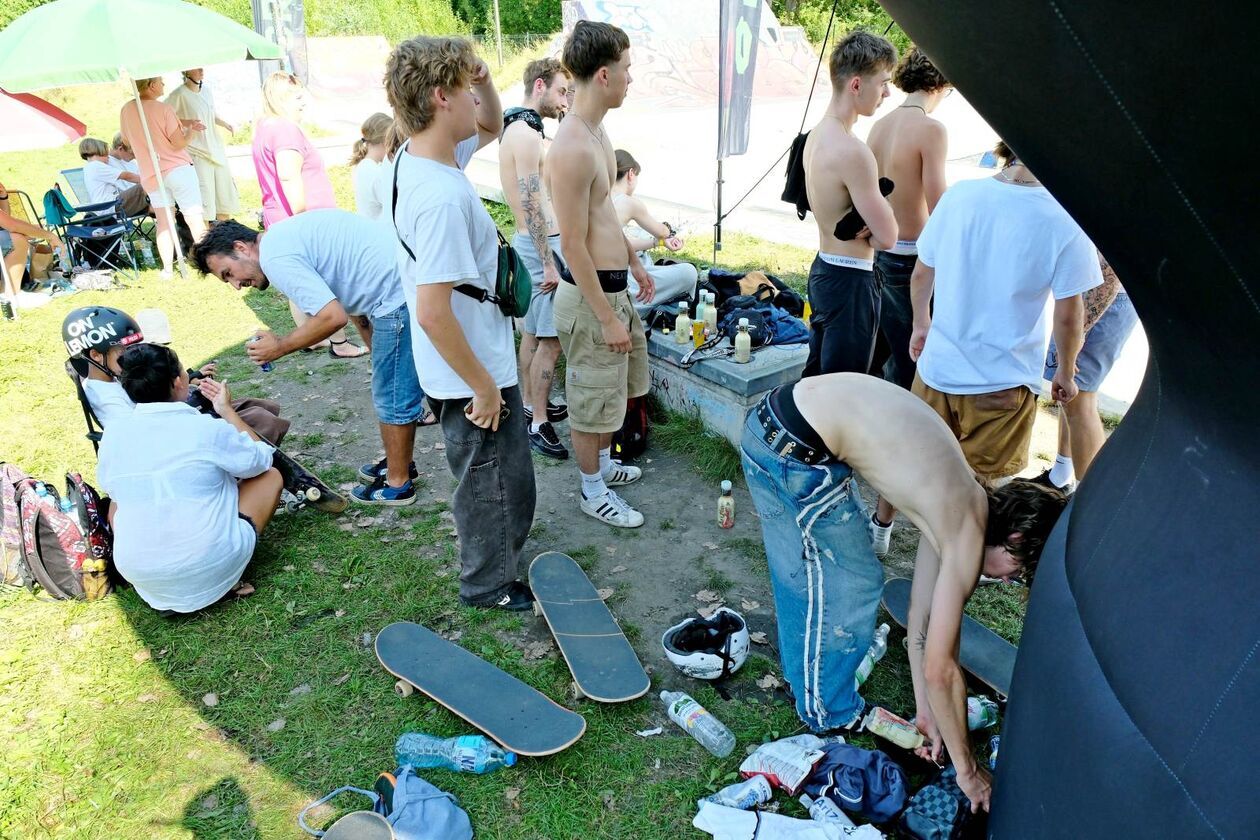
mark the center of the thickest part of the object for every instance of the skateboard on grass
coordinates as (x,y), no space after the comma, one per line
(305,486)
(509,711)
(982,653)
(603,664)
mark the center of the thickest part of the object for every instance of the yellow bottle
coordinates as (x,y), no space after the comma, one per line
(682,324)
(697,333)
(726,507)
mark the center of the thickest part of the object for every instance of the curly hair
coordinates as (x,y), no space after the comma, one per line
(1028,509)
(542,68)
(221,240)
(418,67)
(860,53)
(591,46)
(916,72)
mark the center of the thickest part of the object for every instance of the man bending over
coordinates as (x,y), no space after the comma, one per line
(335,265)
(801,446)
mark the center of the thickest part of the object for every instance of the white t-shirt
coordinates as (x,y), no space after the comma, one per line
(1000,252)
(324,255)
(192,104)
(108,400)
(102,181)
(172,472)
(441,218)
(132,166)
(366,202)
(382,191)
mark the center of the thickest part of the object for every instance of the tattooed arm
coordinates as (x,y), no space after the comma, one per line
(529,187)
(1099,298)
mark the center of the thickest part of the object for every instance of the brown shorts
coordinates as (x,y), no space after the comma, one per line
(994,429)
(597,381)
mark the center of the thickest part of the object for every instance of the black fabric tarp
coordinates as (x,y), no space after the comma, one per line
(1134,701)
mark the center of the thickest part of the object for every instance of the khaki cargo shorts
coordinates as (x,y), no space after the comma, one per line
(994,429)
(597,381)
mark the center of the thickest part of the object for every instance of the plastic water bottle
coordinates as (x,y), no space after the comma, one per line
(146,254)
(265,367)
(465,754)
(981,713)
(41,490)
(994,743)
(823,810)
(745,795)
(63,260)
(879,646)
(699,723)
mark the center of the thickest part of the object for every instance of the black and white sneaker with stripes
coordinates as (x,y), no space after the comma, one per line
(621,474)
(613,510)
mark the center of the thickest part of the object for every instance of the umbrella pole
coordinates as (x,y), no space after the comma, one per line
(157,170)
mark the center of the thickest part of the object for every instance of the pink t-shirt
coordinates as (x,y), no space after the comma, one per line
(273,135)
(164,127)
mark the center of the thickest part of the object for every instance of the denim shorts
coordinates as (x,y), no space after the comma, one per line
(826,579)
(1103,345)
(540,320)
(396,390)
(6,242)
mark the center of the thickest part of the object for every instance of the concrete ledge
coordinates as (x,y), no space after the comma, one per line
(720,391)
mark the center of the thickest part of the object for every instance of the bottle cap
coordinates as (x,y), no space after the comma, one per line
(743,322)
(726,486)
(682,306)
(509,760)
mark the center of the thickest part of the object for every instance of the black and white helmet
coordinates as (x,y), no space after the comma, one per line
(97,328)
(708,648)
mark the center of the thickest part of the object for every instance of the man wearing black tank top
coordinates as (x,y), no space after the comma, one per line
(801,446)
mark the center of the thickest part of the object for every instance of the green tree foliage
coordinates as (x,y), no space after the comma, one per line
(812,16)
(516,17)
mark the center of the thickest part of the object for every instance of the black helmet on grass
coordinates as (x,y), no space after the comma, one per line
(97,328)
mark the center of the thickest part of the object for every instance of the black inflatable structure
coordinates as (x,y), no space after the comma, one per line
(1135,703)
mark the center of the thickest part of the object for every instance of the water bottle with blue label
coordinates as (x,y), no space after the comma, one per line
(465,754)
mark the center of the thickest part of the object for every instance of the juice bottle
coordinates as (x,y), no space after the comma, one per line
(682,324)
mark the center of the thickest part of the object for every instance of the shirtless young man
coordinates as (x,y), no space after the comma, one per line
(521,155)
(596,322)
(801,446)
(841,175)
(909,147)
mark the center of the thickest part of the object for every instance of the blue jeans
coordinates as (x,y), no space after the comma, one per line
(396,392)
(826,579)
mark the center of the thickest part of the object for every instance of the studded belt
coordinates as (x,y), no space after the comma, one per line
(784,442)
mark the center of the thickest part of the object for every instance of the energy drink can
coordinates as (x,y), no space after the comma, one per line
(265,367)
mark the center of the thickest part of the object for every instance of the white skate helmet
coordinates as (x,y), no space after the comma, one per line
(708,648)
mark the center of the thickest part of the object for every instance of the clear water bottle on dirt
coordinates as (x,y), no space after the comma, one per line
(879,646)
(465,754)
(699,723)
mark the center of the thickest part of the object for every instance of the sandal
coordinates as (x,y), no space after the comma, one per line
(429,419)
(320,346)
(333,345)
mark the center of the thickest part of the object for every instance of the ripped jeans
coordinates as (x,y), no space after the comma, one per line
(826,579)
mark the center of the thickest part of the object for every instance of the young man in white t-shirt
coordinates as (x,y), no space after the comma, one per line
(994,252)
(445,102)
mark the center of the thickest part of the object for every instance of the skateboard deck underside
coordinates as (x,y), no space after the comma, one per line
(983,654)
(516,715)
(602,662)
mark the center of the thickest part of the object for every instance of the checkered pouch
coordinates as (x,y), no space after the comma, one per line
(938,810)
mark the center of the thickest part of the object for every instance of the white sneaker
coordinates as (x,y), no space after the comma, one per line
(613,510)
(881,535)
(619,474)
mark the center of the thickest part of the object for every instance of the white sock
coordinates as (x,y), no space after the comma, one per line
(528,408)
(605,461)
(1061,473)
(593,486)
(534,427)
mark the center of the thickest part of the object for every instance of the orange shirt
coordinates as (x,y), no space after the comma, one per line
(164,127)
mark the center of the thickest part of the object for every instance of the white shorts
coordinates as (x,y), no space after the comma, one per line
(182,184)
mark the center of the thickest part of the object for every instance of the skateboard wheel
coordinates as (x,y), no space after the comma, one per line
(292,506)
(538,609)
(576,691)
(313,494)
(905,643)
(404,689)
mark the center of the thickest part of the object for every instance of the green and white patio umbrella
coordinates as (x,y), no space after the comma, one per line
(77,42)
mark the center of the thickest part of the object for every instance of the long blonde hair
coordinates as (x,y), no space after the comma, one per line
(280,94)
(375,129)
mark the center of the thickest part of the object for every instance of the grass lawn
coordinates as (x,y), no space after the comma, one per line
(225,724)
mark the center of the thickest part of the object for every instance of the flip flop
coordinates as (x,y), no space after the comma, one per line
(333,345)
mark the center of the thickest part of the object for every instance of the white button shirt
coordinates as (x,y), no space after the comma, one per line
(172,471)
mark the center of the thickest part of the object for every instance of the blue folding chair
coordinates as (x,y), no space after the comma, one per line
(95,235)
